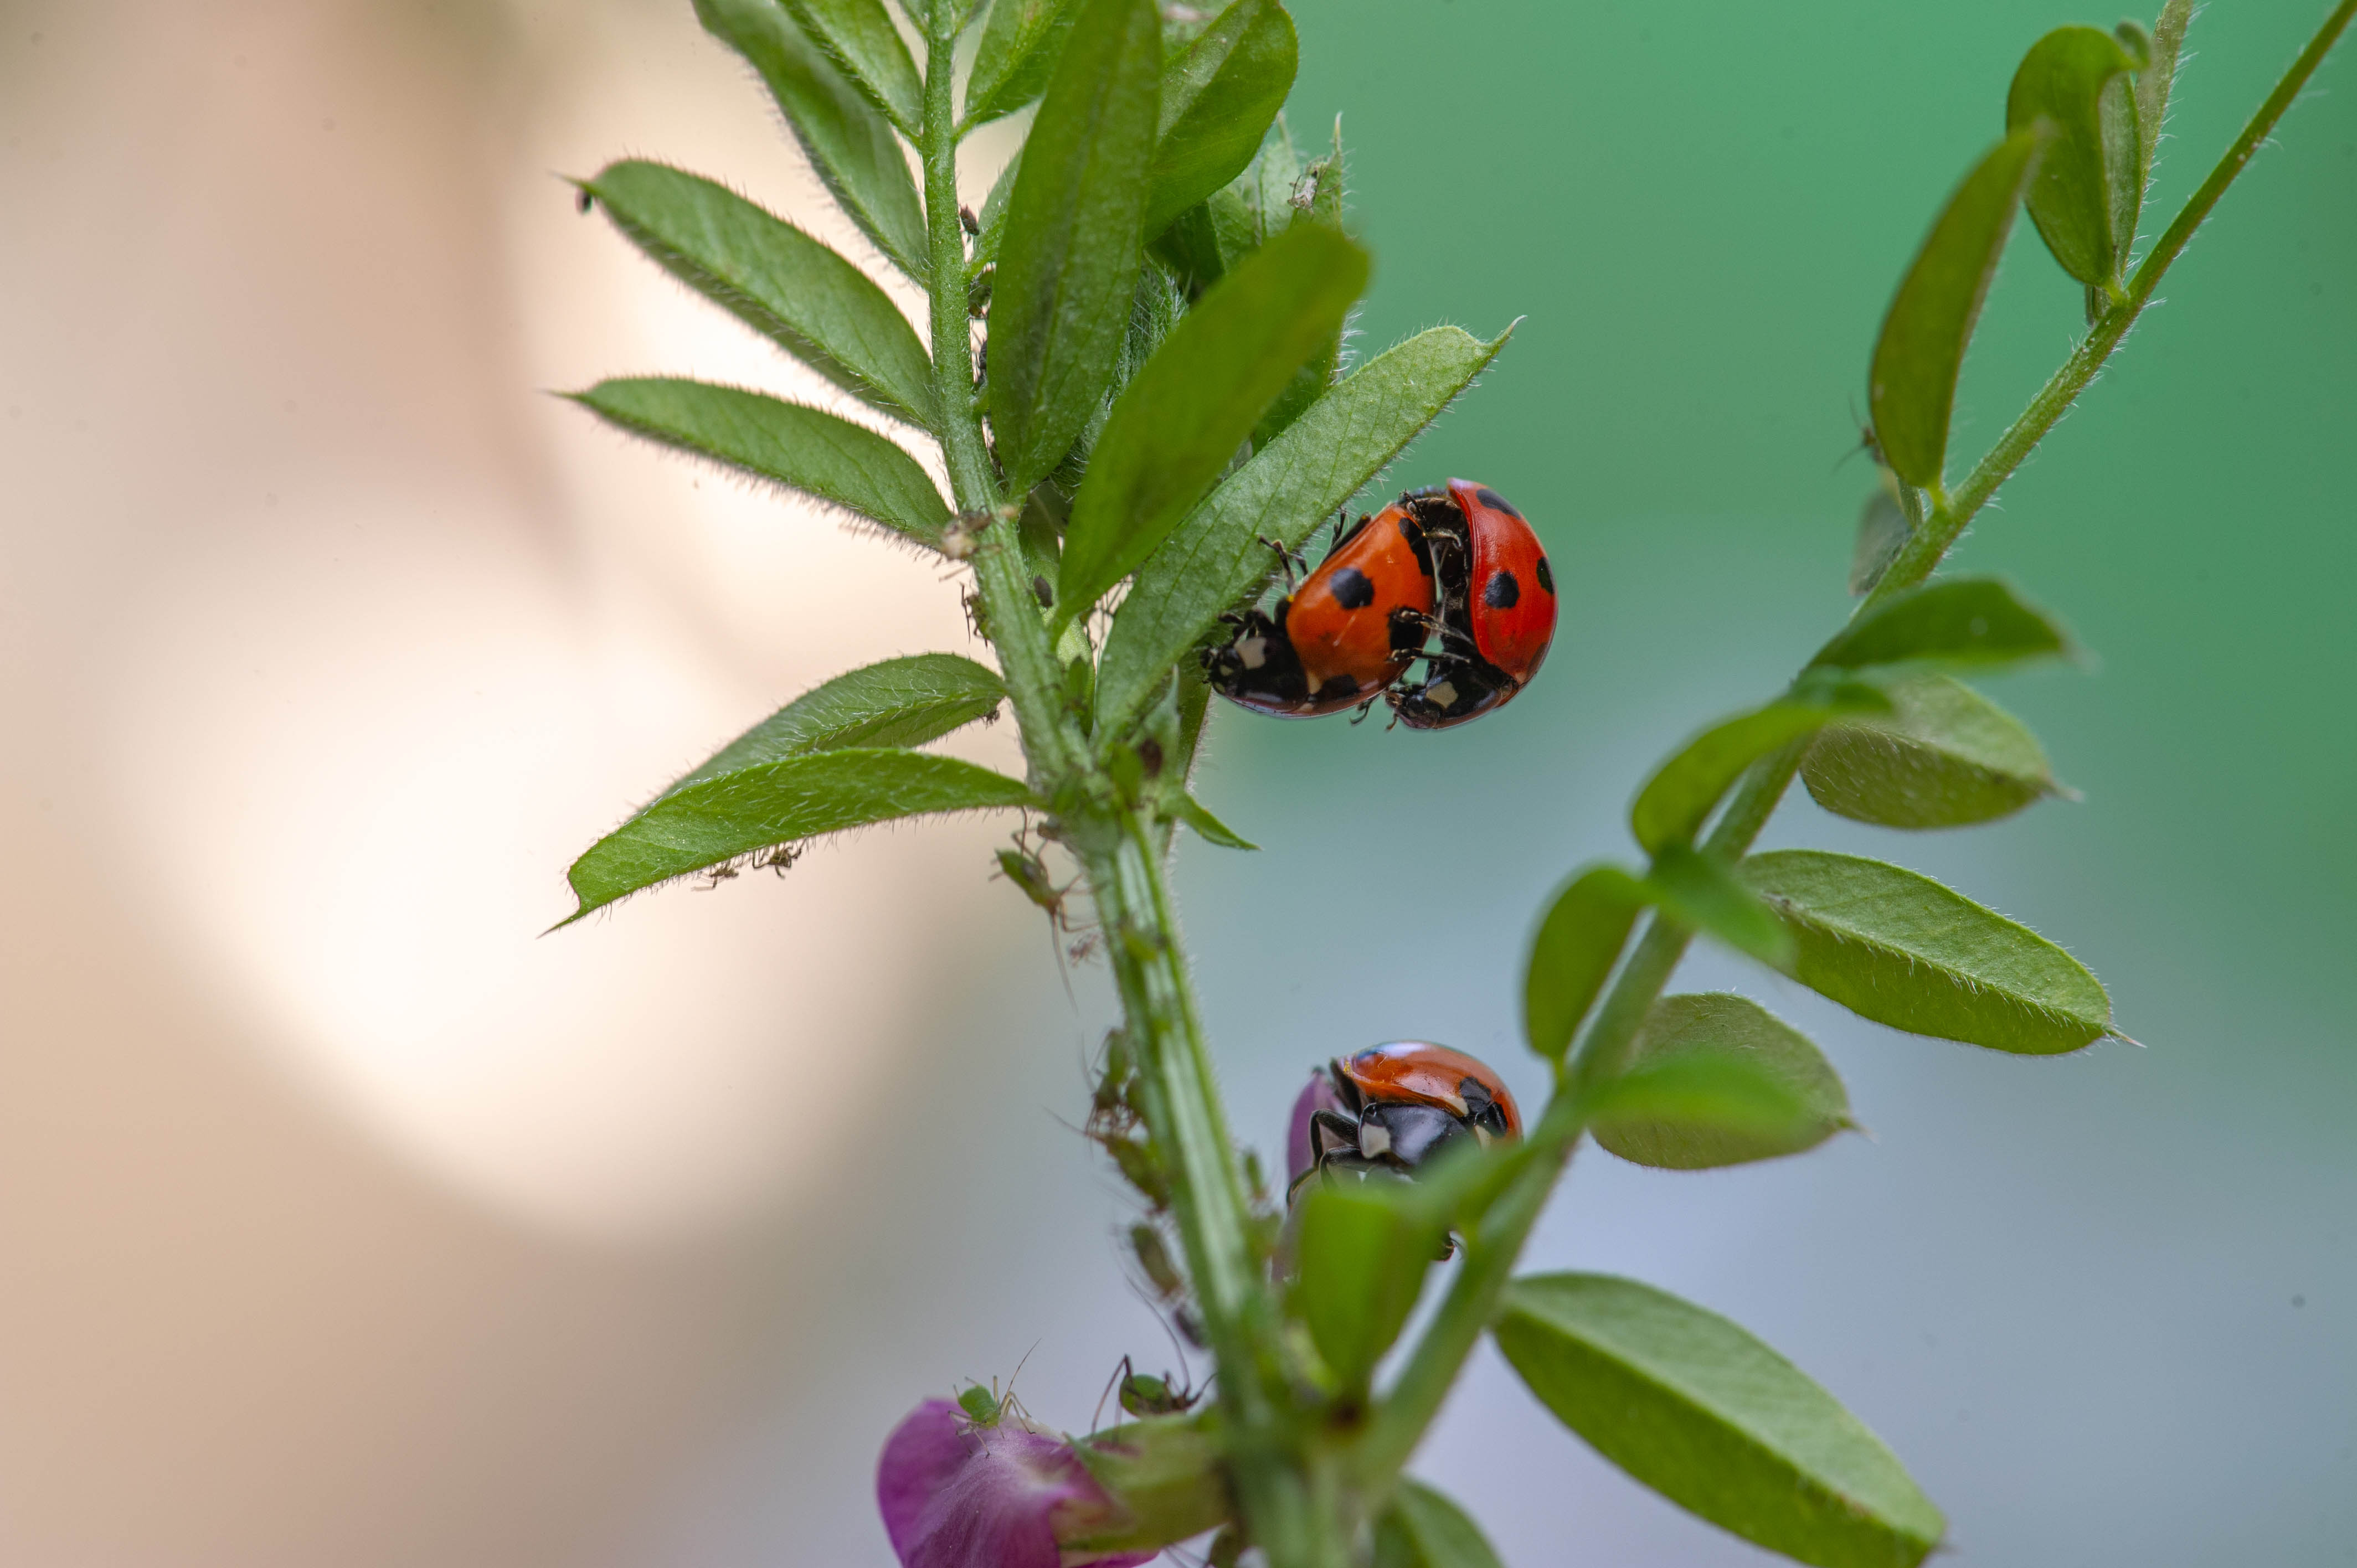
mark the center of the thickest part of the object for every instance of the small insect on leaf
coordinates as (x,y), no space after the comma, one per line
(1945,756)
(850,146)
(1422,1529)
(1704,1414)
(783,443)
(1181,420)
(1897,947)
(1911,387)
(861,41)
(2089,182)
(1968,622)
(1217,101)
(716,820)
(1220,556)
(1718,1081)
(1068,262)
(1574,951)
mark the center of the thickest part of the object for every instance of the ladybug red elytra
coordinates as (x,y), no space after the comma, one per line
(1345,635)
(1497,609)
(1395,1107)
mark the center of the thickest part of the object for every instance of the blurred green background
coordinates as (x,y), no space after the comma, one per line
(345,1222)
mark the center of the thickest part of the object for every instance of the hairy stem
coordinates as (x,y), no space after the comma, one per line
(1602,1049)
(1289,1501)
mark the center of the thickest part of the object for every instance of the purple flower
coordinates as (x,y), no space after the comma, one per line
(958,1494)
(1300,1152)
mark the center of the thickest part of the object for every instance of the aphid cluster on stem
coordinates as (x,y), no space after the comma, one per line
(1458,563)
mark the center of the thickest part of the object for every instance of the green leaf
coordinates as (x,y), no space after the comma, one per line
(1577,945)
(712,823)
(1679,798)
(993,217)
(1898,948)
(777,280)
(1170,1475)
(1422,1529)
(2153,82)
(851,147)
(1068,263)
(1700,892)
(1178,422)
(2087,181)
(1218,100)
(1360,1257)
(785,443)
(1197,816)
(1715,1421)
(1311,383)
(1215,560)
(1961,621)
(1945,757)
(1911,387)
(902,702)
(1882,532)
(1715,1080)
(1018,49)
(860,39)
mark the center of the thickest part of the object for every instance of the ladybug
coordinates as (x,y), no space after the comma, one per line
(1497,609)
(1393,1107)
(1345,635)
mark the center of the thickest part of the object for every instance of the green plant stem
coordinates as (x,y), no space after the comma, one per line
(1289,1499)
(1601,1052)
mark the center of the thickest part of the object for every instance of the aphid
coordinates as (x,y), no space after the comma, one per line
(1497,607)
(1349,631)
(1142,1394)
(1403,1103)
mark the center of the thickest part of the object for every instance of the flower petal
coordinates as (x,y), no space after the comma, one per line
(1317,1095)
(956,1495)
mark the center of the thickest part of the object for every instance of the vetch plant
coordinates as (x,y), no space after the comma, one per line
(1133,375)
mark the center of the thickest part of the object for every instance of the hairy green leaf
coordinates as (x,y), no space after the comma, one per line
(1215,560)
(1699,892)
(1911,387)
(1715,1421)
(775,279)
(1717,1079)
(710,823)
(860,39)
(2084,197)
(2153,82)
(902,702)
(1218,100)
(1171,1477)
(1945,757)
(802,449)
(1197,816)
(1897,947)
(1181,420)
(1574,951)
(1422,1529)
(1018,49)
(1068,262)
(1324,205)
(851,147)
(1677,801)
(1360,1255)
(1882,532)
(1962,621)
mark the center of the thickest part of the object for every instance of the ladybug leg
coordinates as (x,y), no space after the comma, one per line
(1287,558)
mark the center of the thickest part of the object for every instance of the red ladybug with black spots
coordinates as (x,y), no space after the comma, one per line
(1497,608)
(1342,637)
(1395,1108)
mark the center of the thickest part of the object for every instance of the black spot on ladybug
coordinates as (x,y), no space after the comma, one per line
(1491,498)
(1546,577)
(1352,589)
(1341,686)
(1503,593)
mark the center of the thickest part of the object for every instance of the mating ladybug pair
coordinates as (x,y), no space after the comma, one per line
(1457,561)
(1393,1107)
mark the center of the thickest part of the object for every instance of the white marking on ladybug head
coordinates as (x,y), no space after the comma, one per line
(1374,1139)
(1443,694)
(1253,651)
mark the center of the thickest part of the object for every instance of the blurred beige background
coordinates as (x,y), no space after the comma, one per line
(345,1220)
